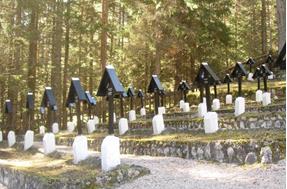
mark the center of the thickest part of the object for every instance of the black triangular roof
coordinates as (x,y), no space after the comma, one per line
(76,90)
(250,61)
(206,71)
(183,86)
(238,70)
(49,99)
(30,101)
(227,79)
(140,93)
(154,84)
(265,70)
(257,74)
(131,92)
(8,107)
(90,99)
(110,79)
(281,60)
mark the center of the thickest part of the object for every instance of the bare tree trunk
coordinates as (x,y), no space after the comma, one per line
(66,61)
(281,21)
(56,72)
(263,27)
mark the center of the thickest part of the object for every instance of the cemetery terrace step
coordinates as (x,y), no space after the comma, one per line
(33,170)
(248,120)
(223,146)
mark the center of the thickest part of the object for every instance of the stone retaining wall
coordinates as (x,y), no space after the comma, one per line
(228,151)
(246,121)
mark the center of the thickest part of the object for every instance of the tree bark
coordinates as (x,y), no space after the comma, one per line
(263,27)
(281,21)
(56,70)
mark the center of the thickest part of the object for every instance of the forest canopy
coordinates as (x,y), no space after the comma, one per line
(46,42)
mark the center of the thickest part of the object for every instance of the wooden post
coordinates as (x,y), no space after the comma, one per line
(79,122)
(111,110)
(258,83)
(215,91)
(228,88)
(239,85)
(207,91)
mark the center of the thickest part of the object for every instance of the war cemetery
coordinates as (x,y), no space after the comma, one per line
(147,95)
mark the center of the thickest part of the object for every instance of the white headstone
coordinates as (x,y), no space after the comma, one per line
(143,112)
(210,122)
(228,99)
(216,104)
(28,139)
(115,118)
(55,128)
(266,98)
(271,76)
(123,126)
(157,124)
(97,120)
(71,126)
(132,115)
(80,149)
(110,153)
(239,106)
(49,143)
(204,100)
(250,75)
(1,136)
(42,130)
(258,96)
(11,138)
(202,109)
(186,107)
(161,110)
(91,126)
(181,104)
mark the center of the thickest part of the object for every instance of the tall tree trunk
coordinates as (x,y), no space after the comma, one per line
(263,27)
(66,61)
(56,70)
(281,21)
(104,46)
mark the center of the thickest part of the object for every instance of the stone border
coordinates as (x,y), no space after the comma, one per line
(229,151)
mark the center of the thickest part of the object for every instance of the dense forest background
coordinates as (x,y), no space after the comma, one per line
(46,42)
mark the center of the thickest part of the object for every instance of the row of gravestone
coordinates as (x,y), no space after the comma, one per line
(110,86)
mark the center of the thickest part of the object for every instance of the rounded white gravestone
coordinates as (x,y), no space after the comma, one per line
(1,136)
(110,153)
(228,99)
(271,76)
(55,128)
(115,118)
(80,149)
(28,139)
(204,100)
(216,104)
(161,110)
(210,122)
(157,124)
(123,126)
(249,78)
(186,107)
(42,130)
(49,143)
(239,106)
(132,115)
(97,120)
(143,112)
(181,104)
(202,109)
(91,126)
(258,96)
(70,126)
(11,138)
(266,98)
